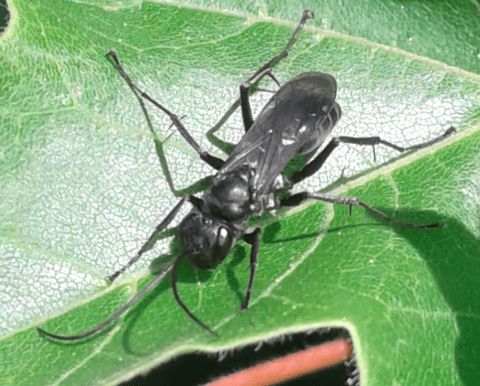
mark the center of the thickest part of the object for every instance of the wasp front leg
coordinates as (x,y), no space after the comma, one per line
(254,240)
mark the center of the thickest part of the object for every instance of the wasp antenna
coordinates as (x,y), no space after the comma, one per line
(179,301)
(115,315)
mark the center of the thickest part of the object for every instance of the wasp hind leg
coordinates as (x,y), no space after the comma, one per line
(265,70)
(313,166)
(298,198)
(249,87)
(244,102)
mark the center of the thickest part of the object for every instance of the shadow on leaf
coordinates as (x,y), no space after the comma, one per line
(452,255)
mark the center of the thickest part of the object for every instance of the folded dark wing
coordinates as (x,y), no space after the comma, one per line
(293,120)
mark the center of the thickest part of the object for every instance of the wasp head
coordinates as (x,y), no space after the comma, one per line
(206,240)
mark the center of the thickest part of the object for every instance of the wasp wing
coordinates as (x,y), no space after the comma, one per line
(294,121)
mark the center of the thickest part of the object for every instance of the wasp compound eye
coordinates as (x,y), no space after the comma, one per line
(223,244)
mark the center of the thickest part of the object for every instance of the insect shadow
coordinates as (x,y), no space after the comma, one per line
(452,257)
(280,148)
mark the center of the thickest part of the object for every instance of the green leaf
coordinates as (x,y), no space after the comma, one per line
(81,189)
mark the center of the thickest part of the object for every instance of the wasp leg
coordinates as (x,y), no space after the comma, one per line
(151,240)
(297,199)
(228,147)
(313,166)
(214,162)
(254,240)
(266,70)
(224,146)
(245,96)
(196,187)
(246,89)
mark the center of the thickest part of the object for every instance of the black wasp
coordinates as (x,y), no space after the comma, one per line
(296,121)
